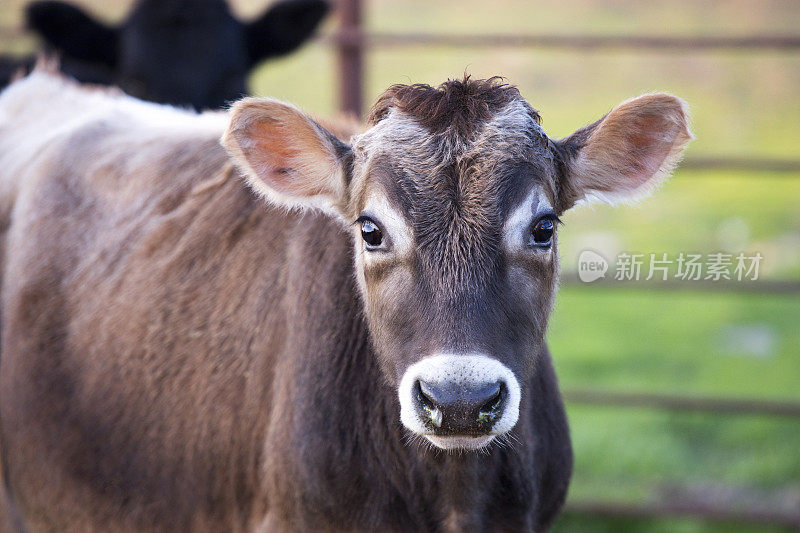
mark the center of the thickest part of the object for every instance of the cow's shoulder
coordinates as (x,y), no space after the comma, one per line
(65,142)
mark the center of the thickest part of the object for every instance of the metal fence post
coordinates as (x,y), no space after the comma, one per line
(350,55)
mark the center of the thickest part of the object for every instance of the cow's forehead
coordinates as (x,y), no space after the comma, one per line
(516,122)
(451,194)
(487,171)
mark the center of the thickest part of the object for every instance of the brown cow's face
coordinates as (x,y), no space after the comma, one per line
(455,250)
(453,197)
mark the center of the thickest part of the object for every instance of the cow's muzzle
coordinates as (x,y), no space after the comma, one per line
(459,401)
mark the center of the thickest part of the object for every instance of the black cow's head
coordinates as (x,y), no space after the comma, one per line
(181,52)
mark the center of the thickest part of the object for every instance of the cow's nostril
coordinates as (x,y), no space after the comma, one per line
(428,406)
(492,409)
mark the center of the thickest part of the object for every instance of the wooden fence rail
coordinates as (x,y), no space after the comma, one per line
(743,165)
(748,514)
(354,37)
(763,286)
(674,402)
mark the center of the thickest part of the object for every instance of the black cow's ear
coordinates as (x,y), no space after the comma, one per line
(283,28)
(72,32)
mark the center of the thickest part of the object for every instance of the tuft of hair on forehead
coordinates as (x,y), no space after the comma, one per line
(460,105)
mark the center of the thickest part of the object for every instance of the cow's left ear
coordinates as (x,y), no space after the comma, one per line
(627,153)
(287,157)
(283,28)
(73,32)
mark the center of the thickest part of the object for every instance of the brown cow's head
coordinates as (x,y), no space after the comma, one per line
(453,196)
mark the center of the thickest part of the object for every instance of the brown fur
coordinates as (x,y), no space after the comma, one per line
(457,105)
(176,355)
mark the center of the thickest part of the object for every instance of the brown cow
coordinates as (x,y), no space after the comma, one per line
(363,351)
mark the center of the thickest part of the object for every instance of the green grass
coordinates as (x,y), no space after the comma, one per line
(637,341)
(640,341)
(570,523)
(743,103)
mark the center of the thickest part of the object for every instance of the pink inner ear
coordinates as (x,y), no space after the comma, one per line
(634,146)
(275,159)
(650,143)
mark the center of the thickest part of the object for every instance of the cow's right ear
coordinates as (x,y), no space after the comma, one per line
(74,33)
(286,156)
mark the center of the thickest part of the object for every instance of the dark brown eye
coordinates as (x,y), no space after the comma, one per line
(371,234)
(542,232)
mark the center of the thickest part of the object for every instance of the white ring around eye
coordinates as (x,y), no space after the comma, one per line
(519,225)
(397,235)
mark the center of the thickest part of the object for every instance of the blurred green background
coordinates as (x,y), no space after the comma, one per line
(744,103)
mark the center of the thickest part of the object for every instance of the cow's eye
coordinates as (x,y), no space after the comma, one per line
(542,232)
(371,233)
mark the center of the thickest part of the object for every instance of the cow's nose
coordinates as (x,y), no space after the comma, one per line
(449,408)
